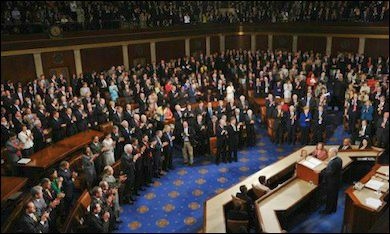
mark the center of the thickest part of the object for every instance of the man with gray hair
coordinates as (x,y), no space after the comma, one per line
(332,180)
(128,168)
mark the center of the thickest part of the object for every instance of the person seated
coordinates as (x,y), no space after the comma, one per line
(303,155)
(320,152)
(346,144)
(365,144)
(237,213)
(263,184)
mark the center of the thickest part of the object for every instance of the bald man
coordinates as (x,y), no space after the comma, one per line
(332,181)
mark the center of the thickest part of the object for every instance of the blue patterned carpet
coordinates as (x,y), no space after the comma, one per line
(175,202)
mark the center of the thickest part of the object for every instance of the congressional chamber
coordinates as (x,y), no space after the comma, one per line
(194,116)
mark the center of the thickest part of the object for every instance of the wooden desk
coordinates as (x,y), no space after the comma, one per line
(281,199)
(57,152)
(213,208)
(11,185)
(358,217)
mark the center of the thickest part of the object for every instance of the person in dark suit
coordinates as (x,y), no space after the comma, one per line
(128,168)
(332,181)
(250,120)
(57,127)
(319,125)
(364,132)
(279,122)
(101,111)
(270,106)
(157,154)
(167,140)
(81,118)
(67,184)
(221,141)
(200,128)
(70,121)
(353,114)
(382,130)
(96,222)
(309,101)
(291,124)
(346,144)
(30,223)
(243,194)
(233,139)
(6,129)
(39,136)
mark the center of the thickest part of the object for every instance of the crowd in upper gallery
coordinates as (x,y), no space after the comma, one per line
(19,17)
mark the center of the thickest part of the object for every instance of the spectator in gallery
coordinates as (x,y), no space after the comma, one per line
(27,139)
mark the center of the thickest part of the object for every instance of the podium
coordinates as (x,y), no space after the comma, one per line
(309,169)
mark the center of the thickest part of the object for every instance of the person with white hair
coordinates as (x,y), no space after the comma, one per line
(39,135)
(250,120)
(128,168)
(332,181)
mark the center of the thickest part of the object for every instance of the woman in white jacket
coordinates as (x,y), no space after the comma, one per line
(27,138)
(287,87)
(230,92)
(108,151)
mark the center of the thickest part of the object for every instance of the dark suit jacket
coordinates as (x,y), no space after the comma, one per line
(233,136)
(332,174)
(29,225)
(96,225)
(39,139)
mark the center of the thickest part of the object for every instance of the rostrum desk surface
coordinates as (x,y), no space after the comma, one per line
(213,209)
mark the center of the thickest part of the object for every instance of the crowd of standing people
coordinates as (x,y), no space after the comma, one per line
(300,89)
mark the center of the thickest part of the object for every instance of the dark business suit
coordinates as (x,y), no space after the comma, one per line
(278,126)
(96,224)
(221,144)
(39,139)
(128,168)
(57,131)
(28,225)
(332,181)
(319,126)
(68,186)
(233,142)
(168,151)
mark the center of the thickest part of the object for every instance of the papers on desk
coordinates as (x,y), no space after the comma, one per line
(311,162)
(24,160)
(374,184)
(373,202)
(383,170)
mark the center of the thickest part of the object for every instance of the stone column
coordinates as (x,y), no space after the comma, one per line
(221,42)
(187,47)
(270,38)
(153,52)
(77,61)
(253,42)
(362,43)
(328,45)
(208,46)
(125,54)
(38,64)
(295,43)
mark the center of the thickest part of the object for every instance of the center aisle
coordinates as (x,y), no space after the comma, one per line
(175,202)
